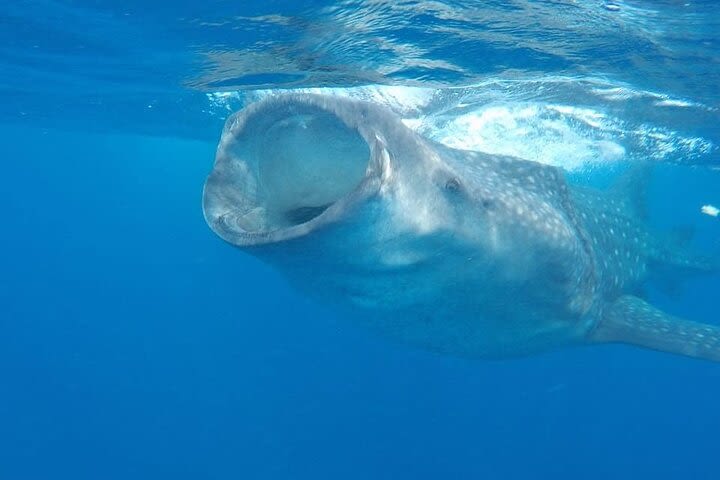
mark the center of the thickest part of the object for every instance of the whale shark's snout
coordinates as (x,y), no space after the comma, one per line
(288,165)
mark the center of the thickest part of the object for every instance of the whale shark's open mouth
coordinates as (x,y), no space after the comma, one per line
(282,165)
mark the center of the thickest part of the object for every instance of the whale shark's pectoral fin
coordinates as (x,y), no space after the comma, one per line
(633,321)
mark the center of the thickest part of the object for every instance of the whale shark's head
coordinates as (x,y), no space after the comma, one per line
(302,167)
(350,203)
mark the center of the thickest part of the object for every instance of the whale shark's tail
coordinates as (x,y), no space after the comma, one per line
(633,321)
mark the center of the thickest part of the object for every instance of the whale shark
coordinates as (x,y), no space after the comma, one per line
(454,251)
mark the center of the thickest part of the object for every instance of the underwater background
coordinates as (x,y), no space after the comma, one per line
(136,344)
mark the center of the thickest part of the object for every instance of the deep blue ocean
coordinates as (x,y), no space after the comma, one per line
(135,344)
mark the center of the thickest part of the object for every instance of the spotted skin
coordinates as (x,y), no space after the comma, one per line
(632,320)
(457,252)
(626,252)
(622,246)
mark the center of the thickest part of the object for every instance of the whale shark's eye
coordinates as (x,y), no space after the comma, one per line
(452,185)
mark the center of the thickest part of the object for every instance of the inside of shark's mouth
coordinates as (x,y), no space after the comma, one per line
(301,159)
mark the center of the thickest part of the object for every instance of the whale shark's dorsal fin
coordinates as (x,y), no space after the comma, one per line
(634,321)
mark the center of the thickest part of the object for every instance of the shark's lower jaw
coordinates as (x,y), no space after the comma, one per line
(284,167)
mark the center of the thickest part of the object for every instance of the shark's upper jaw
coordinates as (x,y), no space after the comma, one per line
(287,166)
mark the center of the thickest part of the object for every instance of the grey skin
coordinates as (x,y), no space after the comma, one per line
(454,251)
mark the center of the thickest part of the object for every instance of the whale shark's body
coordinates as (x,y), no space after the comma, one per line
(456,251)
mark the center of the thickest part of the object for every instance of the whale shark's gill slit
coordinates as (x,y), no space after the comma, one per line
(301,215)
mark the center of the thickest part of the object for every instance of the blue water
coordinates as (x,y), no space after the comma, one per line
(135,344)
